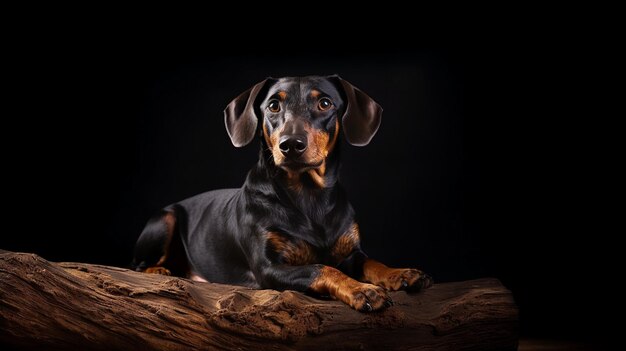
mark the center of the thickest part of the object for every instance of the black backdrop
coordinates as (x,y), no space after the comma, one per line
(463,179)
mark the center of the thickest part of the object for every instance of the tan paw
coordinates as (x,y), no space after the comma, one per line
(408,279)
(368,298)
(158,270)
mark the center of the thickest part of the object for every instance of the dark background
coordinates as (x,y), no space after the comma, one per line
(473,173)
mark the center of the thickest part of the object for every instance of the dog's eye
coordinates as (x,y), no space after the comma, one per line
(324,104)
(273,106)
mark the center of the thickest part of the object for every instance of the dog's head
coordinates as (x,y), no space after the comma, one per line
(301,118)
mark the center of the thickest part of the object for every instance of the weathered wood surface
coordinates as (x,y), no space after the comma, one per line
(79,306)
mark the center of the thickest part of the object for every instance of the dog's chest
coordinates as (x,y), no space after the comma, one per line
(287,249)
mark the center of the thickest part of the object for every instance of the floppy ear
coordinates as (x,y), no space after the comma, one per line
(362,116)
(240,117)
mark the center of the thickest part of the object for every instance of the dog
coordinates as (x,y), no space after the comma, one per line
(290,226)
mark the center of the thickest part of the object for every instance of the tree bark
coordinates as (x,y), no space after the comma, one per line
(80,306)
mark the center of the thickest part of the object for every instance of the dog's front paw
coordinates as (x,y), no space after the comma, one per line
(368,298)
(408,279)
(424,281)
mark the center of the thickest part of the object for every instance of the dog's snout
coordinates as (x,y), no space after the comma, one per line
(292,146)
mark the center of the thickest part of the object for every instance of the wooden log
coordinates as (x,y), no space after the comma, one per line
(61,306)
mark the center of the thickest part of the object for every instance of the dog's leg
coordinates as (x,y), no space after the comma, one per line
(159,249)
(354,262)
(395,278)
(324,280)
(360,296)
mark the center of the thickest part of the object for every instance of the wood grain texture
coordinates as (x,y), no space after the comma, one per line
(61,306)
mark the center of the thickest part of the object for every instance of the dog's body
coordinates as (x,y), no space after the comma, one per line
(290,226)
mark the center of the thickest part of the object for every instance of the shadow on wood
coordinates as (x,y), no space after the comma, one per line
(46,305)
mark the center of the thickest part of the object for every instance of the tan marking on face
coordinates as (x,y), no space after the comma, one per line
(346,243)
(273,145)
(282,95)
(316,150)
(293,252)
(320,143)
(318,147)
(315,94)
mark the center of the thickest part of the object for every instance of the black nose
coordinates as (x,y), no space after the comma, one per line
(292,145)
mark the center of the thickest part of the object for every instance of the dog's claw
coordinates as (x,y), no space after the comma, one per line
(367,307)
